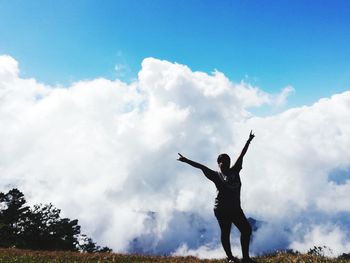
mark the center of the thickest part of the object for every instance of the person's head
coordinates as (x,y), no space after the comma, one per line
(224,161)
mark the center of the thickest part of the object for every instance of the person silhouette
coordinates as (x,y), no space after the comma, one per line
(227,207)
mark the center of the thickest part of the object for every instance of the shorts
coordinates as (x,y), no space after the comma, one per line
(235,216)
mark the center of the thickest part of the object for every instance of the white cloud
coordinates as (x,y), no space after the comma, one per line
(8,68)
(283,96)
(203,252)
(104,152)
(322,236)
(121,70)
(335,199)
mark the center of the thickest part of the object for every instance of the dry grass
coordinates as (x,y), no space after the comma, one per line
(298,258)
(27,256)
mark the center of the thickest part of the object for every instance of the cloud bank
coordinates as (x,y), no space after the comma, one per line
(104,152)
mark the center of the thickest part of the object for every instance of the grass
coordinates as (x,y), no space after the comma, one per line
(13,255)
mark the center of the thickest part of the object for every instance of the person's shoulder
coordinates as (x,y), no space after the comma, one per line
(211,174)
(236,168)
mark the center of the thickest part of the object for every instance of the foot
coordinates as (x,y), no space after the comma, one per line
(232,260)
(247,260)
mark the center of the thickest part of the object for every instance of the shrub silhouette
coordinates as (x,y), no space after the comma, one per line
(40,227)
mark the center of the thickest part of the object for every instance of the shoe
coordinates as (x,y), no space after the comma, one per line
(232,260)
(247,260)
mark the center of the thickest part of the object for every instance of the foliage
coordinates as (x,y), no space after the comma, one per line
(13,217)
(40,227)
(345,256)
(319,251)
(88,245)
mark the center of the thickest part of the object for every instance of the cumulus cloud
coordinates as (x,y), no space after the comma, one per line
(322,236)
(283,96)
(104,152)
(8,68)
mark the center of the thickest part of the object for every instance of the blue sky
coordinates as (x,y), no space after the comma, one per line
(271,44)
(95,133)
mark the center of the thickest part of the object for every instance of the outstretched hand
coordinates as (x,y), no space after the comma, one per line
(181,158)
(251,136)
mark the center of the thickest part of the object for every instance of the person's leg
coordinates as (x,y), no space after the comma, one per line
(244,227)
(225,227)
(225,230)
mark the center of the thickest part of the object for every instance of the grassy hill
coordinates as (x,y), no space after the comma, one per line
(27,256)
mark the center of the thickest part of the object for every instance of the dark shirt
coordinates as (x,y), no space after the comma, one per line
(228,187)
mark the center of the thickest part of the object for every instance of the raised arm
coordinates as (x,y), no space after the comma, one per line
(190,162)
(207,172)
(244,150)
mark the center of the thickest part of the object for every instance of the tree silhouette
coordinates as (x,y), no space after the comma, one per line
(88,245)
(40,227)
(46,230)
(13,217)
